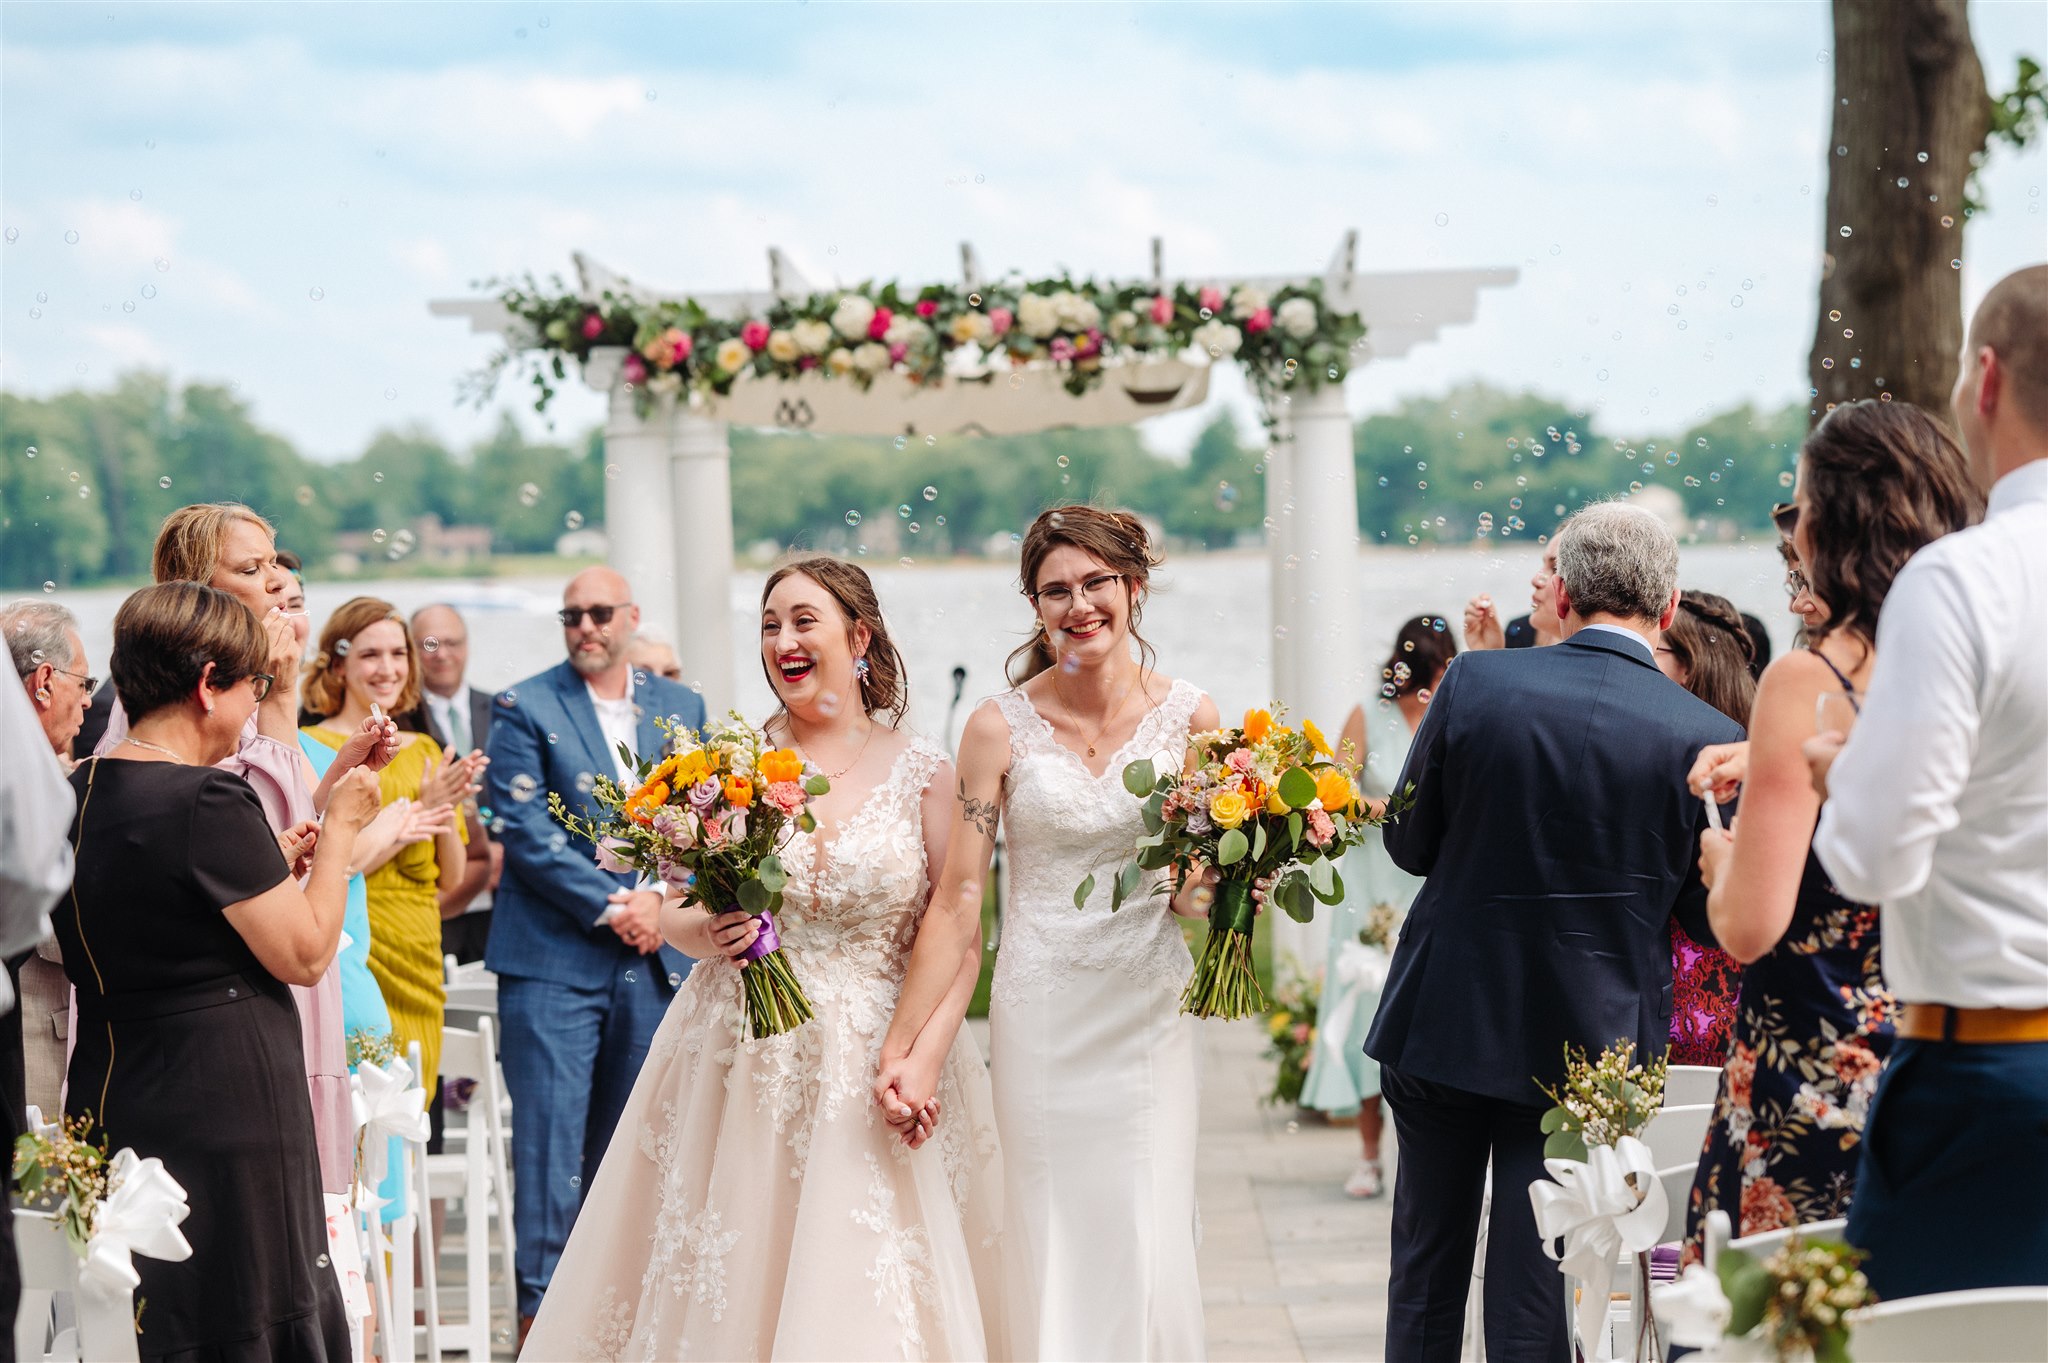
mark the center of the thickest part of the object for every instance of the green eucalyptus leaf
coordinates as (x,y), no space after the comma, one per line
(1554,1120)
(1083,890)
(1258,840)
(1297,788)
(1231,849)
(1747,1286)
(1832,1346)
(1155,858)
(1294,830)
(753,896)
(1295,900)
(1128,880)
(1564,1145)
(817,785)
(1321,873)
(1139,777)
(773,877)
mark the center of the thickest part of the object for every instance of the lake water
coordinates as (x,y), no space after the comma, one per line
(1207,617)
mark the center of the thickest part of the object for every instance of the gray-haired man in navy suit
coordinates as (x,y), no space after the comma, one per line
(1557,835)
(583,974)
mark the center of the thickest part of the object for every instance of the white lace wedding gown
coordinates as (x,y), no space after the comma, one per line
(1095,1068)
(754,1204)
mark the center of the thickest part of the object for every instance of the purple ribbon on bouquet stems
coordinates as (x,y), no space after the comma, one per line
(768,941)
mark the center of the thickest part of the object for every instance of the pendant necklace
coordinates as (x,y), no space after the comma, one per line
(835,775)
(157,747)
(1121,701)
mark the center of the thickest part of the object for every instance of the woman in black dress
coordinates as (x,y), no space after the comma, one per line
(183,928)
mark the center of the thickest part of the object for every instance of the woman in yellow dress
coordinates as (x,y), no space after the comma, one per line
(367,658)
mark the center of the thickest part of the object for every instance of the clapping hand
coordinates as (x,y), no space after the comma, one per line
(1482,624)
(453,779)
(354,802)
(297,843)
(413,822)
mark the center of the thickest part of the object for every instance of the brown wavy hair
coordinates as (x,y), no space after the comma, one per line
(188,542)
(1710,640)
(321,688)
(1882,479)
(886,688)
(165,635)
(1118,538)
(1423,648)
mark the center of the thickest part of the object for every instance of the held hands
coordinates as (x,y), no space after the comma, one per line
(907,1089)
(1482,624)
(1720,768)
(638,920)
(297,844)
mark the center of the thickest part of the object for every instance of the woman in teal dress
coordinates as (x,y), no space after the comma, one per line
(1342,1078)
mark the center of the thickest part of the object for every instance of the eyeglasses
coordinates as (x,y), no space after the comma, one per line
(1795,582)
(1785,515)
(260,683)
(92,684)
(599,615)
(1060,595)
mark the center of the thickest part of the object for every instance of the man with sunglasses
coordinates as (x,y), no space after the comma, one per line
(583,974)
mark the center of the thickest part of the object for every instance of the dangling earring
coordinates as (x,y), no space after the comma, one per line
(861,670)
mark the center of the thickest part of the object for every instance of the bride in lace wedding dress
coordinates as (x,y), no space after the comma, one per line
(755,1203)
(1094,1067)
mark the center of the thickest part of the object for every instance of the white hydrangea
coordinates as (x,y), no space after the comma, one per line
(905,329)
(871,358)
(812,336)
(1217,339)
(852,316)
(783,347)
(1297,317)
(1075,312)
(1246,300)
(1038,315)
(1122,323)
(972,328)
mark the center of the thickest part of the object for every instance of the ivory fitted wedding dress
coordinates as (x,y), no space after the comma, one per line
(1095,1068)
(754,1204)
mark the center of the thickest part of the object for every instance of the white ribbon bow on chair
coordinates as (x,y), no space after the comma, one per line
(1598,1215)
(140,1216)
(387,1103)
(1357,968)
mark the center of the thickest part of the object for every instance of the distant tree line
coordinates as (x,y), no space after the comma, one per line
(107,465)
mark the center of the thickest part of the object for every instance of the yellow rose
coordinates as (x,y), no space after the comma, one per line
(1228,809)
(1334,789)
(782,347)
(1279,1022)
(1315,737)
(1275,805)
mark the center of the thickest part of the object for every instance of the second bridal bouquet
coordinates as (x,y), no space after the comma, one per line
(715,813)
(1266,805)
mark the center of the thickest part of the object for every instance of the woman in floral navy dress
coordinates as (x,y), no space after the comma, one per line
(1814,1025)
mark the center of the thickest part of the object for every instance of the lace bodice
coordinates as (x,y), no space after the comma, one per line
(1063,825)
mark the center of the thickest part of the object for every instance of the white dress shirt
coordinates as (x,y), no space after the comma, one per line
(620,721)
(1649,649)
(452,714)
(36,805)
(1937,808)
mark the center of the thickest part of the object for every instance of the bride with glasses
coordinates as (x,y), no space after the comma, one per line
(1093,1064)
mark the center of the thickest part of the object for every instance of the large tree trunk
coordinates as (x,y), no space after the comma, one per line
(1911,109)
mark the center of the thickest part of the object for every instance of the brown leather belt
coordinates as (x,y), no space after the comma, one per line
(1982,1026)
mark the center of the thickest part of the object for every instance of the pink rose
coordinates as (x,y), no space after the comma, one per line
(635,370)
(679,346)
(786,796)
(1301,1034)
(608,858)
(1262,320)
(1000,319)
(1212,299)
(755,334)
(1320,829)
(807,362)
(1240,761)
(1062,349)
(897,352)
(878,327)
(1162,309)
(593,326)
(927,308)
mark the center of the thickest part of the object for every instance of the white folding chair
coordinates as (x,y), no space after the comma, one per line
(1763,1243)
(1689,1085)
(478,1175)
(49,1274)
(1983,1325)
(1677,1134)
(410,1240)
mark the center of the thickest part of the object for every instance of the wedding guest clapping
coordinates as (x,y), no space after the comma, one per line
(1938,806)
(184,925)
(1813,1027)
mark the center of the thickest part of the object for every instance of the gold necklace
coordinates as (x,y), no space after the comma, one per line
(1061,697)
(158,747)
(835,775)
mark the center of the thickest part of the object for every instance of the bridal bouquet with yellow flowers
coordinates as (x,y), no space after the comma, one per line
(1267,805)
(715,814)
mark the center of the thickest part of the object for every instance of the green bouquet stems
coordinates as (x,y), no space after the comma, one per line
(1224,984)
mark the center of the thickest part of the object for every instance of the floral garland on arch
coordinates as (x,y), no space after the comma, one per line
(1285,339)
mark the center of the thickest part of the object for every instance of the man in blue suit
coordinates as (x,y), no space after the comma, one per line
(583,975)
(1558,838)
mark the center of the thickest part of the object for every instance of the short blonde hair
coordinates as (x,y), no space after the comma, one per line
(322,689)
(189,541)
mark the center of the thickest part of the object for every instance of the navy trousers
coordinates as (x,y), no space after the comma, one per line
(1446,1136)
(1952,1191)
(571,1057)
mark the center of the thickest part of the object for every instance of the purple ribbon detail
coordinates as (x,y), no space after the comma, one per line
(768,941)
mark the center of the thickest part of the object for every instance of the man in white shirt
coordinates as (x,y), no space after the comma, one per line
(1937,809)
(458,717)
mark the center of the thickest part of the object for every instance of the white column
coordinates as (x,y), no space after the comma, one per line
(637,501)
(1279,544)
(702,556)
(1325,644)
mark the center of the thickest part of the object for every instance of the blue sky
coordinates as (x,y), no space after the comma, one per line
(268,195)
